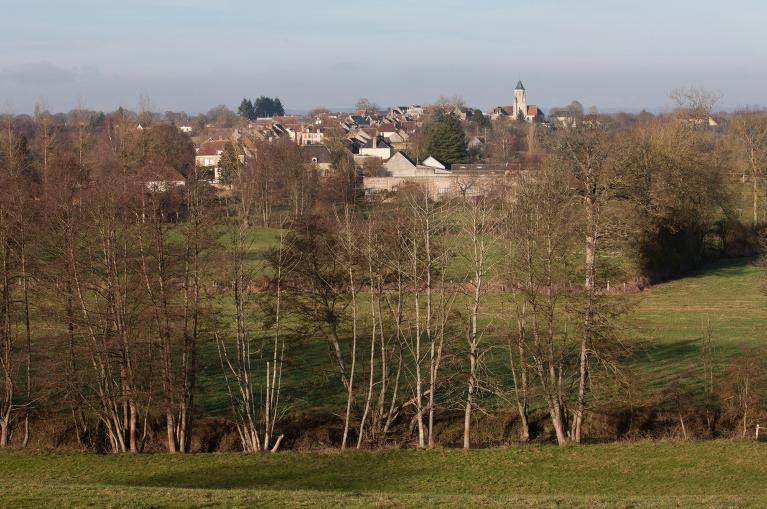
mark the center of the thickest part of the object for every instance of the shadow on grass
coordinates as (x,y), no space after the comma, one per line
(663,353)
(678,352)
(729,267)
(330,473)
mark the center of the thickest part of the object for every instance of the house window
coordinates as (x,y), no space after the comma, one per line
(444,190)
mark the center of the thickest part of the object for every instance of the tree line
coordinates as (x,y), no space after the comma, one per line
(262,107)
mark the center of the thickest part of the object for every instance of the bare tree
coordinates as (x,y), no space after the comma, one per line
(520,371)
(745,389)
(284,264)
(585,151)
(102,264)
(374,323)
(695,104)
(540,278)
(47,141)
(348,244)
(171,269)
(317,289)
(255,406)
(366,106)
(479,224)
(15,335)
(301,180)
(432,302)
(749,130)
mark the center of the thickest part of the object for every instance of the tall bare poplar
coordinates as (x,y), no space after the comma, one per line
(480,220)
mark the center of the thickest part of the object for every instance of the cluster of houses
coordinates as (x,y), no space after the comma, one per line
(375,139)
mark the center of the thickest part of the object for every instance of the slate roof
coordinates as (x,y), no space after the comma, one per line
(359,120)
(374,142)
(320,152)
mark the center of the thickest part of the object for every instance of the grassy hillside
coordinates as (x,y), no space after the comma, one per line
(705,474)
(665,331)
(672,318)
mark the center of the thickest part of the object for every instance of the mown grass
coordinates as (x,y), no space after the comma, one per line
(726,298)
(664,474)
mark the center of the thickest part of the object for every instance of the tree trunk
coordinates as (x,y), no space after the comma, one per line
(469,397)
(4,432)
(588,325)
(349,241)
(373,340)
(520,382)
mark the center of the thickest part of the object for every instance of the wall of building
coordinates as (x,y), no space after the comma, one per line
(383,153)
(439,186)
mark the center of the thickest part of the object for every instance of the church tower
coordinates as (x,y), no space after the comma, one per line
(520,100)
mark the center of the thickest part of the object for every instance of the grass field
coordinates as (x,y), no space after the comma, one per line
(641,475)
(672,318)
(667,324)
(665,330)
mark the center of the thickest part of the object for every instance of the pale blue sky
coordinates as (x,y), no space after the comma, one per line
(193,54)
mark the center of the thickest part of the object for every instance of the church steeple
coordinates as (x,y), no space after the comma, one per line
(520,102)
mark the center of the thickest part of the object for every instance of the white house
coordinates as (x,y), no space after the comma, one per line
(208,156)
(400,166)
(376,147)
(311,135)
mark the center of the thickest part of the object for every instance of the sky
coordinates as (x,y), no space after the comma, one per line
(191,55)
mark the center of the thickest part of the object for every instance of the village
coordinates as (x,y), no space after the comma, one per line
(386,146)
(391,148)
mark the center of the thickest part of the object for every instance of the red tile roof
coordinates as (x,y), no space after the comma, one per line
(211,148)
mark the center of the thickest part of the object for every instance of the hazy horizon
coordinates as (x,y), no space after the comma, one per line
(190,55)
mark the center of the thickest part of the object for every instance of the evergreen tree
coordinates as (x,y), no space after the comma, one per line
(278,109)
(97,121)
(446,139)
(267,107)
(263,106)
(246,110)
(481,120)
(229,165)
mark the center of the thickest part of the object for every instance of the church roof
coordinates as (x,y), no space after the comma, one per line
(519,86)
